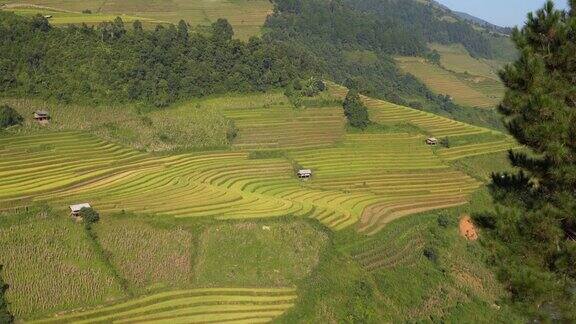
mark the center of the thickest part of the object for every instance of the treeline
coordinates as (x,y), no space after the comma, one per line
(117,63)
(353,46)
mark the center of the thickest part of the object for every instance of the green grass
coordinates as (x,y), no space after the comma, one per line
(50,264)
(387,278)
(147,257)
(455,58)
(246,16)
(482,166)
(195,125)
(256,254)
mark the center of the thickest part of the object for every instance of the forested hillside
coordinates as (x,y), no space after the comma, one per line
(354,41)
(350,42)
(118,63)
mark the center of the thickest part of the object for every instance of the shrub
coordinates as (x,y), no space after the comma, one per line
(5,316)
(445,142)
(444,221)
(9,117)
(89,215)
(431,254)
(355,110)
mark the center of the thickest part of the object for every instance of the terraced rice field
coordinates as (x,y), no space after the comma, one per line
(369,179)
(456,58)
(433,125)
(444,82)
(61,18)
(209,305)
(404,245)
(246,16)
(286,127)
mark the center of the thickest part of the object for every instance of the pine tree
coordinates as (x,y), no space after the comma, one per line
(533,232)
(355,110)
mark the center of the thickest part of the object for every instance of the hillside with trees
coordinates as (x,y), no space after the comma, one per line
(354,42)
(114,63)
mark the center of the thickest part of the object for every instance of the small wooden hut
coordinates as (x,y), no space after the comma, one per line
(75,209)
(432,141)
(304,174)
(41,116)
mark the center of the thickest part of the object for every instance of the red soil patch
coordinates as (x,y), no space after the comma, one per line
(467,228)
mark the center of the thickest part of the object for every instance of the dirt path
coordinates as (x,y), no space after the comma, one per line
(467,228)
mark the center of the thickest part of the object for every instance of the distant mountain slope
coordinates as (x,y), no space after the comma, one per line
(354,42)
(473,19)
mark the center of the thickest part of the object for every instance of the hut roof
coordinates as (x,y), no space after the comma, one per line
(78,207)
(41,112)
(305,171)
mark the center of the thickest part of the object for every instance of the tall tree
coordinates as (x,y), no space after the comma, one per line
(355,110)
(533,232)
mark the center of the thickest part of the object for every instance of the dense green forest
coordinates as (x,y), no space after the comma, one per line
(354,41)
(116,63)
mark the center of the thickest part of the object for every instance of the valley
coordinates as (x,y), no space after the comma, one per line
(284,161)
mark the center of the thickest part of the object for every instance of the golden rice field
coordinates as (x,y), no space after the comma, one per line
(286,127)
(455,58)
(444,82)
(364,179)
(246,16)
(207,305)
(62,18)
(372,170)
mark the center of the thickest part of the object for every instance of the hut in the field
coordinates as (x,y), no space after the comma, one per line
(41,116)
(75,209)
(48,16)
(304,174)
(432,141)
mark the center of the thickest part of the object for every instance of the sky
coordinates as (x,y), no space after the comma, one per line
(505,13)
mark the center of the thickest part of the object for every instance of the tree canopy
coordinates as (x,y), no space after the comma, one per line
(533,232)
(355,111)
(89,216)
(117,63)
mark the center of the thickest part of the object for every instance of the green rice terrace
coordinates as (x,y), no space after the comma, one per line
(182,211)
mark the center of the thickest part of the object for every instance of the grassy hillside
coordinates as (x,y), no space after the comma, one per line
(246,16)
(418,269)
(182,232)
